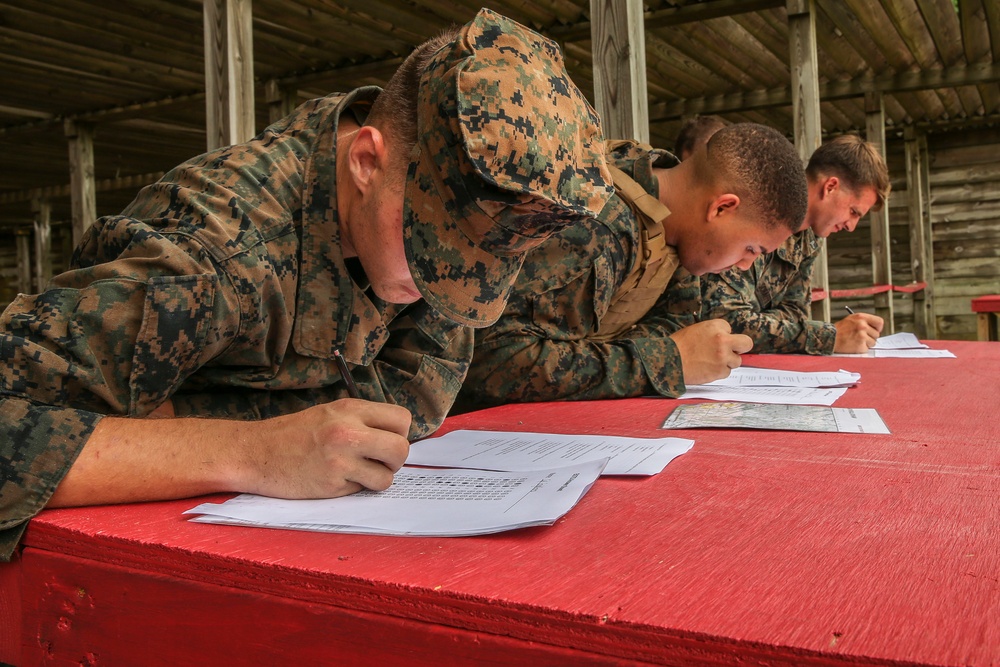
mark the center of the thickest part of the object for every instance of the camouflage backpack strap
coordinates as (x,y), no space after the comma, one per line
(654,264)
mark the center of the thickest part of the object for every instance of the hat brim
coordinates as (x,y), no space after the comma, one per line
(467,284)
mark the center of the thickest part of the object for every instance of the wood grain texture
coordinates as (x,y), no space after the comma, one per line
(10,612)
(777,548)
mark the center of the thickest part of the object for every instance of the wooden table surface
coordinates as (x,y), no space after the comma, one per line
(755,548)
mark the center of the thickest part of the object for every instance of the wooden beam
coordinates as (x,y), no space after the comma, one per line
(974,40)
(881,242)
(660,18)
(41,210)
(280,100)
(950,77)
(83,194)
(229,93)
(620,68)
(23,235)
(927,294)
(805,109)
(921,247)
(105,185)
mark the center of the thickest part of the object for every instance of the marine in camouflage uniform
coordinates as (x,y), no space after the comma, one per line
(771,302)
(549,345)
(223,288)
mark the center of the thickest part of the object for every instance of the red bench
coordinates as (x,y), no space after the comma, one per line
(988,309)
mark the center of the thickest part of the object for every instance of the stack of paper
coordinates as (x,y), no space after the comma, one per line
(422,502)
(512,450)
(764,385)
(901,345)
(541,477)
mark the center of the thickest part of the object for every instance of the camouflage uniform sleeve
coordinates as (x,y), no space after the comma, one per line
(421,367)
(784,326)
(114,338)
(541,350)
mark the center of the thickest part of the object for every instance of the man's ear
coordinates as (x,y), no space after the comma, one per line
(724,204)
(830,185)
(366,156)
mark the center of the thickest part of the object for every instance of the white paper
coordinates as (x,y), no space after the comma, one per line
(898,341)
(786,395)
(422,502)
(776,418)
(748,376)
(511,450)
(903,354)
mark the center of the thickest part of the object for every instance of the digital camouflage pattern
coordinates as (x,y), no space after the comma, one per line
(770,302)
(546,346)
(197,294)
(508,152)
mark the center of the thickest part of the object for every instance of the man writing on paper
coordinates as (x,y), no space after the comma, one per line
(380,224)
(601,310)
(770,302)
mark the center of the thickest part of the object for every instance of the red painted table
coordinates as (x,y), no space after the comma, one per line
(755,548)
(987,309)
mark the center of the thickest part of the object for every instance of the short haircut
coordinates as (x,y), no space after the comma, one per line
(394,111)
(694,131)
(856,162)
(759,165)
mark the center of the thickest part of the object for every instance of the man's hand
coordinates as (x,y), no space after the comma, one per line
(709,351)
(324,451)
(856,333)
(329,450)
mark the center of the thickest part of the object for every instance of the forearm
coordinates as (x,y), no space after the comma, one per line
(133,460)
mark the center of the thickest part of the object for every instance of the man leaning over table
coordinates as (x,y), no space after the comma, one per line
(601,310)
(770,302)
(380,224)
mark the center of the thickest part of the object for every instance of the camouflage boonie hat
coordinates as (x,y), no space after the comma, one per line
(508,152)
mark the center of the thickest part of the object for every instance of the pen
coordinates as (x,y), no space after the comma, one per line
(345,372)
(848,309)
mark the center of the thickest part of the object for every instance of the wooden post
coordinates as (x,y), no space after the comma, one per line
(23,235)
(280,101)
(619,44)
(41,210)
(927,296)
(881,242)
(805,109)
(920,237)
(83,191)
(229,94)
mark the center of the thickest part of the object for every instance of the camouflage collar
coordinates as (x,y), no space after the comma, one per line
(798,247)
(322,323)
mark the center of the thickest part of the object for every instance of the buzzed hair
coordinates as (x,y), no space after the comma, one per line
(694,131)
(854,161)
(759,165)
(394,111)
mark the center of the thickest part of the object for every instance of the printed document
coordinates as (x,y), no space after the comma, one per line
(899,341)
(422,501)
(511,450)
(902,345)
(766,385)
(748,376)
(776,418)
(786,395)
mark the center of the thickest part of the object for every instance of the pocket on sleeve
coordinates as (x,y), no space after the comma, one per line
(177,316)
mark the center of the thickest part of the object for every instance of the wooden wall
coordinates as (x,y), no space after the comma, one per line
(965,218)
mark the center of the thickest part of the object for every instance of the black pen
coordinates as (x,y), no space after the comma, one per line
(848,309)
(345,372)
